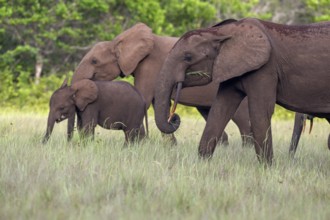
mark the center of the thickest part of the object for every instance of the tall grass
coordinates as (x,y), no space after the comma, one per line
(101,179)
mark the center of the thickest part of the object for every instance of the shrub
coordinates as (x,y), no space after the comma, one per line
(22,93)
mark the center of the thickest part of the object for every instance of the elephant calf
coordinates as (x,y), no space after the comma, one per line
(112,105)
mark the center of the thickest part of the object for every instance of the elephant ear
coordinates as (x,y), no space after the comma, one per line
(85,92)
(132,46)
(247,49)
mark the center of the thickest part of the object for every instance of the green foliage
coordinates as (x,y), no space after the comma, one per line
(281,113)
(57,34)
(53,30)
(23,94)
(320,9)
(147,11)
(185,15)
(238,9)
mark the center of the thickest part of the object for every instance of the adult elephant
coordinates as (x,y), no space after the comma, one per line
(140,53)
(299,123)
(267,62)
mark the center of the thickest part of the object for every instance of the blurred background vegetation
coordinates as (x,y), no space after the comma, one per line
(42,41)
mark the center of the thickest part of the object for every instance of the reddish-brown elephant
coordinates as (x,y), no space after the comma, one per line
(140,53)
(111,105)
(266,62)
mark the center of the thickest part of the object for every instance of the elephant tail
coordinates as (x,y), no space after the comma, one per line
(311,125)
(310,118)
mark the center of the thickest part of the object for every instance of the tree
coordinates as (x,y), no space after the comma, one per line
(46,34)
(320,9)
(51,36)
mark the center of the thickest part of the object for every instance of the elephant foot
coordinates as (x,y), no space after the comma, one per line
(204,155)
(206,148)
(247,141)
(291,154)
(265,160)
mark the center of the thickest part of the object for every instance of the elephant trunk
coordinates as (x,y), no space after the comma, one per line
(162,108)
(50,126)
(83,71)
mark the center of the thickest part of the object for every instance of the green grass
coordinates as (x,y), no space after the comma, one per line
(153,180)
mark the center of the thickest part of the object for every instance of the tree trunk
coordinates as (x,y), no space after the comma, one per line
(38,68)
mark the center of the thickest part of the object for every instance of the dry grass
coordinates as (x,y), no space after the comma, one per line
(152,180)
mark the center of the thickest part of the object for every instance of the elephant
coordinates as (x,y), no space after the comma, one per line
(140,53)
(299,124)
(112,105)
(266,62)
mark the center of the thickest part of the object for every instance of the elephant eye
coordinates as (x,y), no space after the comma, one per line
(94,61)
(187,57)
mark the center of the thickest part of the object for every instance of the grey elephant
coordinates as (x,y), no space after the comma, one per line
(140,53)
(266,62)
(112,105)
(298,128)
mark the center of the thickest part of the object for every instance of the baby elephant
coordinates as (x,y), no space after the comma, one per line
(112,105)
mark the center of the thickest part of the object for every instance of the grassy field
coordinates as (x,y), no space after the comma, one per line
(153,180)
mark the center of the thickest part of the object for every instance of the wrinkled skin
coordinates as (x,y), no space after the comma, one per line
(140,53)
(266,62)
(111,105)
(299,124)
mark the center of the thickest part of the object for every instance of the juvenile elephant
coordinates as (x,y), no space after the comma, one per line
(299,123)
(112,105)
(266,62)
(139,52)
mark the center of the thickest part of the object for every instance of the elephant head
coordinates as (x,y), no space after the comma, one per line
(109,59)
(65,100)
(219,53)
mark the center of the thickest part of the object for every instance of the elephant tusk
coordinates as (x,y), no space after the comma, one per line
(177,95)
(311,127)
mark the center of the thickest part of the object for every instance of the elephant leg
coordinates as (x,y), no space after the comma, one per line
(87,127)
(137,133)
(222,110)
(242,120)
(88,131)
(70,129)
(261,110)
(79,124)
(126,133)
(204,111)
(133,134)
(297,129)
(141,132)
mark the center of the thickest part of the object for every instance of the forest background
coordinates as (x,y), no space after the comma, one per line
(41,41)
